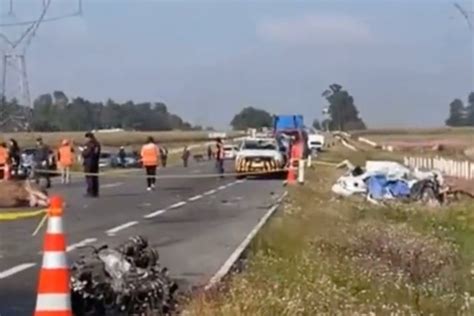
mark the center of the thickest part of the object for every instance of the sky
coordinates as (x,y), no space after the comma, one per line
(403,61)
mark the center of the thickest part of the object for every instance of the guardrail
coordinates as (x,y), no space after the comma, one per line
(450,167)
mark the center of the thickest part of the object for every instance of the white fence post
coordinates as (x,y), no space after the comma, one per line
(301,164)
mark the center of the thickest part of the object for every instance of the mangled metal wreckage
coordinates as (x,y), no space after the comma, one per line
(390,180)
(126,280)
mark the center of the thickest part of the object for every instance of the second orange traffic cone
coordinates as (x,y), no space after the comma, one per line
(54,297)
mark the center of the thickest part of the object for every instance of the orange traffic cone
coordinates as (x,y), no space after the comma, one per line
(54,297)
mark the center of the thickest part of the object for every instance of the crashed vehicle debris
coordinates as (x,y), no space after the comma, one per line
(22,193)
(390,180)
(126,280)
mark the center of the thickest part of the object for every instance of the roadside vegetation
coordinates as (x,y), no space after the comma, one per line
(326,256)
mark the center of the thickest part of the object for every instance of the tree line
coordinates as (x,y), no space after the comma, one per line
(340,114)
(461,114)
(55,112)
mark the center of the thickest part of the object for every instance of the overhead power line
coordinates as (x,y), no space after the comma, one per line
(464,13)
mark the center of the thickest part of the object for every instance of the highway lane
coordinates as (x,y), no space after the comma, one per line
(196,223)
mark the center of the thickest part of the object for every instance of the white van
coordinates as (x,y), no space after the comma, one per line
(315,141)
(230,151)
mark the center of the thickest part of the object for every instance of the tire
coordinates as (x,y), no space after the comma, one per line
(428,197)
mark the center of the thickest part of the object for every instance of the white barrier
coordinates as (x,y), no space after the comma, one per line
(367,141)
(346,144)
(217,135)
(453,168)
(301,165)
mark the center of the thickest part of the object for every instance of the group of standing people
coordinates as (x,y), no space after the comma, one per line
(151,156)
(11,160)
(43,159)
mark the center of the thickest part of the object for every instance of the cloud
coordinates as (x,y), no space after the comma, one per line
(315,29)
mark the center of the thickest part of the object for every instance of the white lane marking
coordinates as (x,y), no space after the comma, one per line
(210,192)
(231,184)
(243,245)
(80,244)
(121,227)
(176,205)
(154,214)
(240,181)
(111,185)
(16,269)
(222,187)
(195,198)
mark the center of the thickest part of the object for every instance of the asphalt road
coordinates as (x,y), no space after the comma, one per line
(196,223)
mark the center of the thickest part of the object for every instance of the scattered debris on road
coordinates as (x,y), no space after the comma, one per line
(126,280)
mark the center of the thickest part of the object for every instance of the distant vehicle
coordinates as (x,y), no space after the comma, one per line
(290,126)
(132,160)
(259,155)
(25,169)
(315,140)
(105,160)
(230,151)
(287,122)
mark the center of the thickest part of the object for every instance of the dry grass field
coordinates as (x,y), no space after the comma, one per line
(322,255)
(455,136)
(111,139)
(450,142)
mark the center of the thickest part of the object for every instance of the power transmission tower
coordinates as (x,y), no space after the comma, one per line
(15,85)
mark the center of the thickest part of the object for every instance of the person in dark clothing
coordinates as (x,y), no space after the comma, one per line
(41,158)
(220,157)
(14,154)
(122,156)
(91,155)
(163,155)
(209,152)
(185,156)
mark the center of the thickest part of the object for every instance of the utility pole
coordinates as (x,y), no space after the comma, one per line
(15,83)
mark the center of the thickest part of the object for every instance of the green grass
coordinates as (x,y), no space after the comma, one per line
(323,255)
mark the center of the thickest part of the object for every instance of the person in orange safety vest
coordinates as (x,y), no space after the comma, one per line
(3,160)
(65,160)
(150,155)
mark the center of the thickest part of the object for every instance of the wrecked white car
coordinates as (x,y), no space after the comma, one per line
(388,180)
